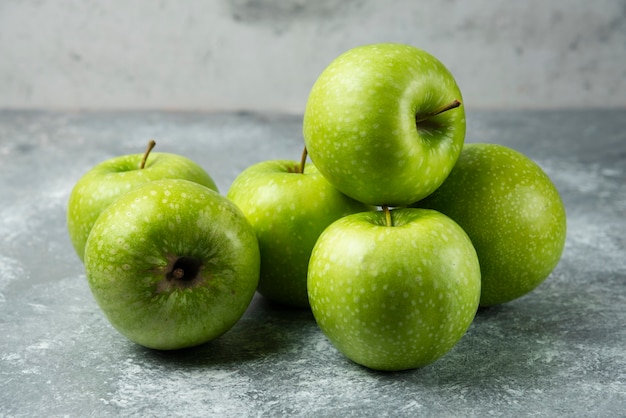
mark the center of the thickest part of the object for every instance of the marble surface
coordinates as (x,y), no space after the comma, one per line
(266,54)
(559,351)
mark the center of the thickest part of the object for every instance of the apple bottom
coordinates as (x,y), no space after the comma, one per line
(394,297)
(172,264)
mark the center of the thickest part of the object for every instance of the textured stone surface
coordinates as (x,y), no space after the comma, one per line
(558,351)
(266,54)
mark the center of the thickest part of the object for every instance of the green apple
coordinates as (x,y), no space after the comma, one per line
(289,210)
(394,294)
(513,214)
(381,116)
(107,181)
(172,264)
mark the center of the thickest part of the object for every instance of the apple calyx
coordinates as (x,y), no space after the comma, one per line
(387,212)
(449,106)
(151,145)
(181,273)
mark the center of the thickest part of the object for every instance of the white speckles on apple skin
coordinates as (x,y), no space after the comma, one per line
(375,127)
(513,214)
(288,211)
(126,264)
(110,179)
(390,303)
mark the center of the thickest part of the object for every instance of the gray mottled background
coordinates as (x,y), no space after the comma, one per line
(266,54)
(236,74)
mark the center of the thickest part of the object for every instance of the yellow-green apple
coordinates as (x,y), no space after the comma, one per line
(513,214)
(172,264)
(289,210)
(107,181)
(383,123)
(394,292)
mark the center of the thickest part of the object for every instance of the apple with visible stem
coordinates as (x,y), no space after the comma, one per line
(384,123)
(289,204)
(172,264)
(513,214)
(107,181)
(394,290)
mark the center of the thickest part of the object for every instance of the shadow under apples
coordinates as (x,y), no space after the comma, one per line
(505,345)
(265,329)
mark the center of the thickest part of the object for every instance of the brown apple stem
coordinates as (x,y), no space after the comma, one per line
(151,145)
(452,105)
(305,153)
(388,220)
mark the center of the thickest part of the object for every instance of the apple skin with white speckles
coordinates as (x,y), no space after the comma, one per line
(107,181)
(394,297)
(158,230)
(513,214)
(289,210)
(360,124)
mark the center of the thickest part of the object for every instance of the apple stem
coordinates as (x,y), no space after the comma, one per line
(452,105)
(305,153)
(387,212)
(151,145)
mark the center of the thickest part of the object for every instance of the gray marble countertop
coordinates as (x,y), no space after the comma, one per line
(559,351)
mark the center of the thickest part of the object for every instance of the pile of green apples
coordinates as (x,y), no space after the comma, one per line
(393,234)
